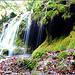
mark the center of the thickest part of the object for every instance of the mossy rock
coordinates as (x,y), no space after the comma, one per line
(5,52)
(18,51)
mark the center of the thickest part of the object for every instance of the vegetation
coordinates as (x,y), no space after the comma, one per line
(5,52)
(30,66)
(55,45)
(17,51)
(20,39)
(62,54)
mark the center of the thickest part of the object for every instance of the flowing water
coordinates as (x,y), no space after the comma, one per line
(9,34)
(40,28)
(28,28)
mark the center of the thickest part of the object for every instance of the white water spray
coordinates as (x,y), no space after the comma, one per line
(8,34)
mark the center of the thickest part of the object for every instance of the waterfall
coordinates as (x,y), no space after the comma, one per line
(9,33)
(40,29)
(28,28)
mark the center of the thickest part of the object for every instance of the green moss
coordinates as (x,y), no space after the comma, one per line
(35,73)
(56,44)
(65,15)
(5,52)
(56,12)
(19,41)
(50,6)
(61,8)
(62,54)
(17,51)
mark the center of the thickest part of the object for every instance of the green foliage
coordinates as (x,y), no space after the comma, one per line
(30,66)
(50,6)
(62,54)
(61,8)
(5,55)
(32,4)
(19,41)
(56,12)
(5,52)
(65,15)
(4,18)
(49,14)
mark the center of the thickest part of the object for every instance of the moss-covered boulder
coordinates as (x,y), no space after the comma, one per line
(18,51)
(5,52)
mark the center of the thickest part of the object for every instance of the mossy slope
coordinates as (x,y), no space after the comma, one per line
(56,44)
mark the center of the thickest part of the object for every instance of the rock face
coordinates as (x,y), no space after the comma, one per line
(55,27)
(33,38)
(60,24)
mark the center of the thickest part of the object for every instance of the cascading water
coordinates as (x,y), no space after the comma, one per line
(28,29)
(40,29)
(8,35)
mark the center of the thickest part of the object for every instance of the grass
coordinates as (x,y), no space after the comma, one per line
(56,45)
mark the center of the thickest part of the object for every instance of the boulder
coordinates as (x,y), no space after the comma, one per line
(5,51)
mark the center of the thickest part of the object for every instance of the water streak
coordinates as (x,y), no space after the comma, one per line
(28,29)
(8,34)
(40,28)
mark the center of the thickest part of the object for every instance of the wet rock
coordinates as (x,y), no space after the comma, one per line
(5,52)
